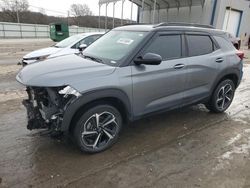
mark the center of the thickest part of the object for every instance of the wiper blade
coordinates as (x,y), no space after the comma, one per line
(93,58)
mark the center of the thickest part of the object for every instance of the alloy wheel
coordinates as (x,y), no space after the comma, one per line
(99,130)
(224,96)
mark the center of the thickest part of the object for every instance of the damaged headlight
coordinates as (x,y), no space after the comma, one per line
(41,58)
(68,90)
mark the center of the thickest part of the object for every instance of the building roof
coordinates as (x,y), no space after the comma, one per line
(161,4)
(167,4)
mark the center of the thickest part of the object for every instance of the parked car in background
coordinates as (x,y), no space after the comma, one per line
(129,73)
(235,40)
(69,45)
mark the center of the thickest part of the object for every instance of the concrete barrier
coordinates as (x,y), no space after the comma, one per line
(22,30)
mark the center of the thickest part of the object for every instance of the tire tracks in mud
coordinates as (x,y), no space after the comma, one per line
(160,146)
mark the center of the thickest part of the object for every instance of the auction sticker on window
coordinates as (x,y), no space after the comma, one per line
(125,41)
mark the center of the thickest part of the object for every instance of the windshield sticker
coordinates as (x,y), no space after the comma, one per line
(125,41)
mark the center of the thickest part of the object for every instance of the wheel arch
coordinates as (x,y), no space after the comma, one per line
(233,74)
(115,97)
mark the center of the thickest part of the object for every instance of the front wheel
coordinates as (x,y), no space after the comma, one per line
(98,128)
(222,97)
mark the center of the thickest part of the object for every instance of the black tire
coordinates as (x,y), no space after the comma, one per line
(219,101)
(92,138)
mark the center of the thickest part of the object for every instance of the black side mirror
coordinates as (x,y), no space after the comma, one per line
(149,59)
(82,47)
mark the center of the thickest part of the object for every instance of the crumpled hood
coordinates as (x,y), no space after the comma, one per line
(63,70)
(42,52)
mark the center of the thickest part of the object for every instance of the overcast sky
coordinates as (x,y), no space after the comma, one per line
(64,5)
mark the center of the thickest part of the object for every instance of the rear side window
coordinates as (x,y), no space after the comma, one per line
(167,46)
(225,44)
(199,45)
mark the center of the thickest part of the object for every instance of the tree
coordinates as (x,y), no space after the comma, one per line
(78,10)
(12,9)
(16,5)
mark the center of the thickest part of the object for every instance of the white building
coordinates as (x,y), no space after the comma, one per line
(230,15)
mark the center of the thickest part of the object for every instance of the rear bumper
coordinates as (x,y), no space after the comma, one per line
(240,77)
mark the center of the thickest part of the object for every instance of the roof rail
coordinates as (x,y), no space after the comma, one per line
(135,23)
(183,24)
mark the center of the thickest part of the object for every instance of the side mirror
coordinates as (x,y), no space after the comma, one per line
(82,47)
(149,59)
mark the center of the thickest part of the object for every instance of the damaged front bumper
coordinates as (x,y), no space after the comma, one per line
(46,106)
(35,120)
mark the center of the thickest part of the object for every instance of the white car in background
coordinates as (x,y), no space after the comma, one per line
(67,46)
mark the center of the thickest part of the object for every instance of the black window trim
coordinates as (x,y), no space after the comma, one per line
(215,44)
(162,33)
(74,46)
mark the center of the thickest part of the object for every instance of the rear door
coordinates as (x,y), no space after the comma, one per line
(157,87)
(203,56)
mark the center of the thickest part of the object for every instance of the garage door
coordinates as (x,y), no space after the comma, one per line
(232,21)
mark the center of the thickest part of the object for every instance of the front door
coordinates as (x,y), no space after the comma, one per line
(158,87)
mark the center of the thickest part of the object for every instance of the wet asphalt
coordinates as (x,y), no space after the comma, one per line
(189,147)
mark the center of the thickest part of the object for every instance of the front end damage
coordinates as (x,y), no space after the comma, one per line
(46,106)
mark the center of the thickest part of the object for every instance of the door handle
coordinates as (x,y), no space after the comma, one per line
(179,66)
(219,60)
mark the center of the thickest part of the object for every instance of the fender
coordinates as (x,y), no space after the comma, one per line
(90,97)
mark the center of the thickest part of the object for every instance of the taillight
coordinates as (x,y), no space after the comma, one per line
(240,54)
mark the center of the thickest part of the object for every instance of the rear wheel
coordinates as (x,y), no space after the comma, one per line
(98,128)
(222,97)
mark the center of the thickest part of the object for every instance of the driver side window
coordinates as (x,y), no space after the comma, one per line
(88,40)
(167,46)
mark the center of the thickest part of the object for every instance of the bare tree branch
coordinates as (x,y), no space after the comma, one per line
(10,8)
(80,10)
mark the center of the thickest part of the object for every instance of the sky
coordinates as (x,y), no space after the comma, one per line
(60,7)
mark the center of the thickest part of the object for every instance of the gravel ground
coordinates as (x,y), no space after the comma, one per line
(184,148)
(12,50)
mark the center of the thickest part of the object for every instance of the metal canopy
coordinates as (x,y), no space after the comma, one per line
(101,2)
(148,5)
(167,4)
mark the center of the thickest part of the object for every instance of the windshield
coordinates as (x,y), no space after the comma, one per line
(68,41)
(115,45)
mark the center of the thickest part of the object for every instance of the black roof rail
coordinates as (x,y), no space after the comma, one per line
(183,24)
(135,23)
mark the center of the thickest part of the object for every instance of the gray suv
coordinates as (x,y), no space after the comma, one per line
(129,73)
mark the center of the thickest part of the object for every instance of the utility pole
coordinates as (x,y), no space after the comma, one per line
(154,12)
(68,18)
(17,13)
(131,13)
(99,19)
(114,14)
(106,17)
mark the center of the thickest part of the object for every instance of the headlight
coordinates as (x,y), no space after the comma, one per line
(69,91)
(41,58)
